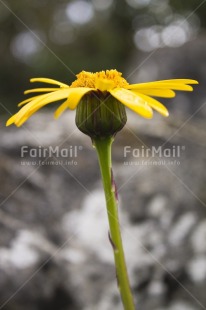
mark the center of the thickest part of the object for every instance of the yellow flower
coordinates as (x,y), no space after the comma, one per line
(137,97)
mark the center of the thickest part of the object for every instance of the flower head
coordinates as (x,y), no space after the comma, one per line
(137,97)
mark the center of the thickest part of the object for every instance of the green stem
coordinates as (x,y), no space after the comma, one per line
(103,148)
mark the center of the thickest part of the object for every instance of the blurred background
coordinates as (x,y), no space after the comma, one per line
(54,248)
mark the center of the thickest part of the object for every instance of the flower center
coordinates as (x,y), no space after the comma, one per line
(103,80)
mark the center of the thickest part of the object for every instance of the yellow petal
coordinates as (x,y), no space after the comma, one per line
(174,86)
(61,109)
(73,99)
(179,81)
(11,120)
(104,84)
(132,101)
(28,100)
(49,81)
(75,95)
(25,118)
(42,101)
(39,90)
(163,83)
(164,93)
(156,105)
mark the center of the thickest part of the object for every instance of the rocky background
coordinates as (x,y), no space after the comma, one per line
(55,252)
(54,247)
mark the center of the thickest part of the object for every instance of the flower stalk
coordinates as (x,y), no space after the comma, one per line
(103,147)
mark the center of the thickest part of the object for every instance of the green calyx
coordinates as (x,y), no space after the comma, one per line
(100,115)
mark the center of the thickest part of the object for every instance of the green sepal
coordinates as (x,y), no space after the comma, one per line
(100,115)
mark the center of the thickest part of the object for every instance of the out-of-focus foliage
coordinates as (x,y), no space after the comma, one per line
(60,38)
